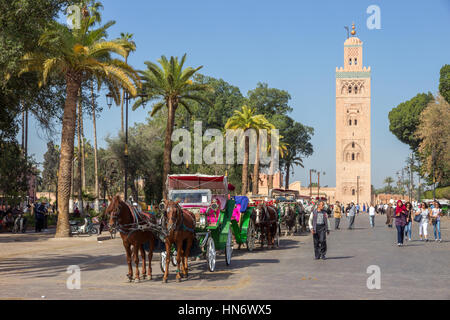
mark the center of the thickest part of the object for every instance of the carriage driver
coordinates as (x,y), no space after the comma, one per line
(319,224)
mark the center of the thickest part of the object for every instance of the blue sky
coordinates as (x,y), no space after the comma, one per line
(292,45)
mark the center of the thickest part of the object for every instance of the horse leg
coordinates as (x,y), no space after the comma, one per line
(186,255)
(136,261)
(144,266)
(150,257)
(130,268)
(179,252)
(166,274)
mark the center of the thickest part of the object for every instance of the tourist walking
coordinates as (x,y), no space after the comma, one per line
(319,224)
(424,214)
(408,227)
(389,215)
(351,216)
(372,216)
(337,215)
(401,217)
(436,212)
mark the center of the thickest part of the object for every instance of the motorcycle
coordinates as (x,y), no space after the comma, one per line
(86,228)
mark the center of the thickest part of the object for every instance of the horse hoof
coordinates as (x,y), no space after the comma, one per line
(178,279)
(164,280)
(150,278)
(144,277)
(137,280)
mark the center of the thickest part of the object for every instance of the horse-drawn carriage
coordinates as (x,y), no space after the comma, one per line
(243,223)
(266,220)
(206,197)
(291,210)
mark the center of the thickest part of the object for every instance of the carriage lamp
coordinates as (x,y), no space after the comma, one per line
(162,206)
(214,206)
(202,220)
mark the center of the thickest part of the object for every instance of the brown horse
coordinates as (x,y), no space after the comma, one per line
(180,227)
(133,239)
(267,222)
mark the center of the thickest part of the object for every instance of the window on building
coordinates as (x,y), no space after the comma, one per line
(356,61)
(350,122)
(353,192)
(356,89)
(353,145)
(349,89)
(353,157)
(350,61)
(356,122)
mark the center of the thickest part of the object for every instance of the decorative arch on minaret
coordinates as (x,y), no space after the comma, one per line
(353,152)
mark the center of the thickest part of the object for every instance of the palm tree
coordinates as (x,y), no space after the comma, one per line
(388,181)
(291,160)
(76,56)
(127,39)
(282,150)
(246,120)
(265,125)
(170,86)
(95,145)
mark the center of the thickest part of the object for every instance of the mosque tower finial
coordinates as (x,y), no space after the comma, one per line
(353,29)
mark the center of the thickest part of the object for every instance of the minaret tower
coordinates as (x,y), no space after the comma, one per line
(353,157)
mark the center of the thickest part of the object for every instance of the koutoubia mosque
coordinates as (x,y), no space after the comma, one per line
(353,143)
(353,174)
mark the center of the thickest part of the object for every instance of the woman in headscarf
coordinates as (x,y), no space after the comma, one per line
(408,227)
(401,217)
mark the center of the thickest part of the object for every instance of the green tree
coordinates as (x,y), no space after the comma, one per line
(269,101)
(50,164)
(388,181)
(246,119)
(171,86)
(76,56)
(405,118)
(434,134)
(444,82)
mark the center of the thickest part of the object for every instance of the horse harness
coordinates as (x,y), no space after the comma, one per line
(141,223)
(181,226)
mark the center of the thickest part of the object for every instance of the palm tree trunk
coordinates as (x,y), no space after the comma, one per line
(80,155)
(95,147)
(256,169)
(245,167)
(23,132)
(121,102)
(168,144)
(65,164)
(288,167)
(83,167)
(26,133)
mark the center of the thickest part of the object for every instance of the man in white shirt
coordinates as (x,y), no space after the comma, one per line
(372,216)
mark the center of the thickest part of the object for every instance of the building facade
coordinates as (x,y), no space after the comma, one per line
(353,144)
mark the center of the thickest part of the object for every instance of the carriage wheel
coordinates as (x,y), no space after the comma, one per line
(229,248)
(162,261)
(174,258)
(251,236)
(211,255)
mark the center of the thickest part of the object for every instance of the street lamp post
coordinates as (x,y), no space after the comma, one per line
(127,97)
(357,190)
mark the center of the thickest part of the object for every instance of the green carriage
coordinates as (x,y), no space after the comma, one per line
(243,223)
(207,197)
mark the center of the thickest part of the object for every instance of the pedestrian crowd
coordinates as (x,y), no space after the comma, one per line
(402,214)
